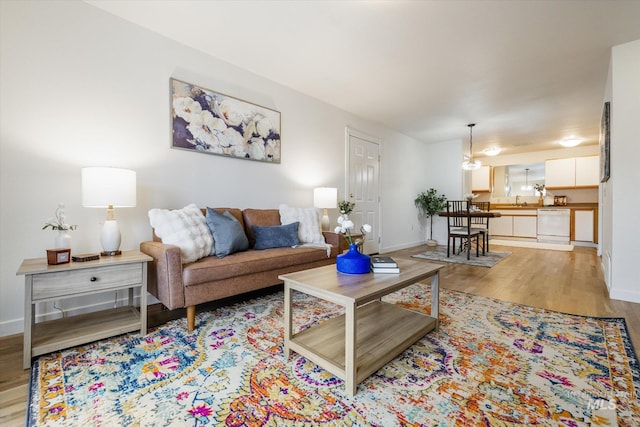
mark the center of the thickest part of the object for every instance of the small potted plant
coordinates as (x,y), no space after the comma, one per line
(62,252)
(540,189)
(429,203)
(345,207)
(58,223)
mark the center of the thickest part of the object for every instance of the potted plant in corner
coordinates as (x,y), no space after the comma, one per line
(429,203)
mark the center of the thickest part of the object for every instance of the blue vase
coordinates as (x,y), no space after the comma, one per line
(353,262)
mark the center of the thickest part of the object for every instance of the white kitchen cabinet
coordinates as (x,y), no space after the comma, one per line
(572,172)
(515,223)
(502,226)
(481,181)
(560,173)
(583,226)
(525,226)
(587,171)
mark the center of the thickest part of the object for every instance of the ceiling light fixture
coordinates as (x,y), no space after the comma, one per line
(493,151)
(526,186)
(471,164)
(570,141)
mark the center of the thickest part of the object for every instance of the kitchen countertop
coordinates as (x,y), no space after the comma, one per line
(502,206)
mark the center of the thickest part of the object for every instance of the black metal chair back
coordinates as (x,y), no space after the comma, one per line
(481,206)
(482,223)
(459,227)
(460,209)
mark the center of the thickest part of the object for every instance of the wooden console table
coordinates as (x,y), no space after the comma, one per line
(45,282)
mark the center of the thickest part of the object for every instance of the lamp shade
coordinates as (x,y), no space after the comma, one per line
(325,197)
(104,186)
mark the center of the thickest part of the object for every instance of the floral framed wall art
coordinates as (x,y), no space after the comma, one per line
(210,122)
(605,143)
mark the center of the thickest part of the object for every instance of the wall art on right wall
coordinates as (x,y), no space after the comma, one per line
(605,143)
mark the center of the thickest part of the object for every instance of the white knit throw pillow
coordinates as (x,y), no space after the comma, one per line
(186,228)
(309,230)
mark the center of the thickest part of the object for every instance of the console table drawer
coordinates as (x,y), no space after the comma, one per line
(66,283)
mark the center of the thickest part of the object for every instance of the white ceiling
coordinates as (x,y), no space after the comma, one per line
(528,73)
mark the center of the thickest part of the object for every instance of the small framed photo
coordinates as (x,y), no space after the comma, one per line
(58,256)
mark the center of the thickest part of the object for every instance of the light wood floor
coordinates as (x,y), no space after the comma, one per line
(569,282)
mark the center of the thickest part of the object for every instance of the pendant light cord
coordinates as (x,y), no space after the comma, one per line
(471,125)
(471,164)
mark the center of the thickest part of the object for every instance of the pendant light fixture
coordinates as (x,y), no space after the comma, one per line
(526,186)
(471,164)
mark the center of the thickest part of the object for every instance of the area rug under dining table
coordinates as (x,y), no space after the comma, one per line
(490,363)
(439,253)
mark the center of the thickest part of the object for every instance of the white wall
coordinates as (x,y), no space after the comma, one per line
(81,87)
(621,191)
(406,172)
(605,222)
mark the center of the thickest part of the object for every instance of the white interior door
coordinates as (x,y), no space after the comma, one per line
(363,186)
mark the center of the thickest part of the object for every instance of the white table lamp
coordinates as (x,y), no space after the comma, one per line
(325,198)
(105,187)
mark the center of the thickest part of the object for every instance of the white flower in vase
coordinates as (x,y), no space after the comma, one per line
(346,225)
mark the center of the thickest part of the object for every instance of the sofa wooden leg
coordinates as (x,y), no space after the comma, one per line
(191,318)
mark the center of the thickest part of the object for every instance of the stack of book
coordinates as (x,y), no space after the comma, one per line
(384,264)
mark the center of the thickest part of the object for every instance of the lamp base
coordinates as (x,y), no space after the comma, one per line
(324,222)
(110,253)
(110,237)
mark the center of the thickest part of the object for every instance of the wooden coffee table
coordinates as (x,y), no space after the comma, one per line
(371,332)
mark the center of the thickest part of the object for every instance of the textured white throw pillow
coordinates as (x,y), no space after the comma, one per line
(309,230)
(186,228)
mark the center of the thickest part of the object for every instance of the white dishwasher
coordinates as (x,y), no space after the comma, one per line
(554,225)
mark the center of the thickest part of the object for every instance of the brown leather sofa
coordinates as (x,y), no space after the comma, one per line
(212,278)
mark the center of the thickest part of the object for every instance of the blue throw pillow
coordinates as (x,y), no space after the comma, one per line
(277,236)
(228,235)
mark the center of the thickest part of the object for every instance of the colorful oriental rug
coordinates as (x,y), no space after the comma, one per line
(491,363)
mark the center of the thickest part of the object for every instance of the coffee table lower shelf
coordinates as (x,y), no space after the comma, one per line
(383,331)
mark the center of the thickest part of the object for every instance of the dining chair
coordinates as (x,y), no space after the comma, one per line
(459,227)
(481,223)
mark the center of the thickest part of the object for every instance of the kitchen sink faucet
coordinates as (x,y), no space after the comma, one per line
(518,201)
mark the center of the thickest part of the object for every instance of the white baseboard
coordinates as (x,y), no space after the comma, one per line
(629,296)
(532,244)
(584,244)
(386,249)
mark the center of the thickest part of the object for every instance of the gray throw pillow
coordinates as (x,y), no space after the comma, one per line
(228,235)
(276,236)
